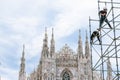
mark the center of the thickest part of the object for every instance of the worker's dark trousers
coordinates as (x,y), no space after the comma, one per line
(102,19)
(98,39)
(92,38)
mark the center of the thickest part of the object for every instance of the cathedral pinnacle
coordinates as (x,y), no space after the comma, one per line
(87,49)
(52,33)
(23,54)
(23,60)
(79,34)
(109,70)
(52,47)
(46,35)
(45,52)
(80,48)
(22,66)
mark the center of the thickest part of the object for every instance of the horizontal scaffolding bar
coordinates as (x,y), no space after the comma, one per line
(99,20)
(106,70)
(94,20)
(109,2)
(105,44)
(111,57)
(117,7)
(109,28)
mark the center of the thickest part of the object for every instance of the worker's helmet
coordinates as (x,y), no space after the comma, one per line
(105,8)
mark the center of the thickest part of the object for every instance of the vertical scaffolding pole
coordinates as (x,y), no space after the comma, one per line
(115,40)
(91,48)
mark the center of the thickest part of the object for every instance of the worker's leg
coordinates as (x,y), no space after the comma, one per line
(108,23)
(99,40)
(91,38)
(101,22)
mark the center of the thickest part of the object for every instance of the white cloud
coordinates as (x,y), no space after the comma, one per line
(23,25)
(71,16)
(8,74)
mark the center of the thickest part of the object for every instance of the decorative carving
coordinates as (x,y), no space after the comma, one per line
(66,50)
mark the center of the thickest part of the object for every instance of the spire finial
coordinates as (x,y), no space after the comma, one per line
(86,35)
(45,32)
(23,50)
(45,29)
(23,47)
(79,33)
(52,32)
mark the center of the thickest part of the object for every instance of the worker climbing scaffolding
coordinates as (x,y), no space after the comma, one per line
(95,34)
(103,17)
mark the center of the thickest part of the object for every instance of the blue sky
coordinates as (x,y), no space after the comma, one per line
(24,22)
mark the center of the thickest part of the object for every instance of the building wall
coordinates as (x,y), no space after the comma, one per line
(65,61)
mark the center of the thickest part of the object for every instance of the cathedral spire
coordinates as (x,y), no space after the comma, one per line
(52,46)
(109,70)
(23,53)
(87,49)
(22,66)
(80,48)
(45,52)
(46,33)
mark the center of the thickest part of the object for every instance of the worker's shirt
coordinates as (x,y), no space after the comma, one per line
(96,33)
(103,13)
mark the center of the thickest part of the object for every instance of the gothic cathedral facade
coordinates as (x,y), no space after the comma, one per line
(63,65)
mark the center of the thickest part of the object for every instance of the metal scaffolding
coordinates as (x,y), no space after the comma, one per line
(110,42)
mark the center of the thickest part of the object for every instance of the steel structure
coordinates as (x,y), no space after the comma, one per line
(110,42)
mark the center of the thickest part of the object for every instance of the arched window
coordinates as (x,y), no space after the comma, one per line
(82,77)
(66,76)
(52,76)
(45,76)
